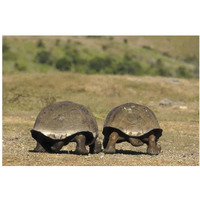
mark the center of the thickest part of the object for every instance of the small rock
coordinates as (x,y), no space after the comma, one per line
(134,79)
(166,102)
(173,80)
(15,138)
(183,107)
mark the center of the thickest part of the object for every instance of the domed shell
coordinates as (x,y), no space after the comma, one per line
(63,119)
(132,119)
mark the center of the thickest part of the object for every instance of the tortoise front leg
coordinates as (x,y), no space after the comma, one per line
(110,148)
(80,141)
(57,145)
(153,148)
(135,142)
(39,148)
(52,148)
(43,142)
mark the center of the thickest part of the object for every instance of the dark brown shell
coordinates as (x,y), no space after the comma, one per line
(132,119)
(63,119)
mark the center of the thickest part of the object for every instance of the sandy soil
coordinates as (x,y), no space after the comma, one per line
(180,140)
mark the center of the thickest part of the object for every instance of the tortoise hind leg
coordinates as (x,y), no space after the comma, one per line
(95,147)
(80,141)
(110,147)
(153,148)
(51,148)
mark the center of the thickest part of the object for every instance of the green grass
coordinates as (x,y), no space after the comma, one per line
(145,51)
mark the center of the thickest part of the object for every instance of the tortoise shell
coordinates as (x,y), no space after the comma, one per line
(63,119)
(133,120)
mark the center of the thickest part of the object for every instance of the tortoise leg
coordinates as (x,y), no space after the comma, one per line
(57,146)
(39,148)
(135,142)
(43,143)
(105,140)
(95,147)
(153,148)
(110,148)
(80,148)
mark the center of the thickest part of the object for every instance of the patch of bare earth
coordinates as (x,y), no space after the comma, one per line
(23,98)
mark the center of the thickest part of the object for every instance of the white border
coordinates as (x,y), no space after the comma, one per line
(91,17)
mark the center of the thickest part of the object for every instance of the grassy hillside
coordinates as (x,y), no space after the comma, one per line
(137,55)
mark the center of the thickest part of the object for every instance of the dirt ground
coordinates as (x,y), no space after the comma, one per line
(24,95)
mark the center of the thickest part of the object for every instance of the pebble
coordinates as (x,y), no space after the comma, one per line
(183,107)
(173,80)
(166,140)
(134,79)
(166,102)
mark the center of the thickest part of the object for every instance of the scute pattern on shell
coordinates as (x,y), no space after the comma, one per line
(63,119)
(132,119)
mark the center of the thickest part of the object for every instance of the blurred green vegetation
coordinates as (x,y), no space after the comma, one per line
(102,55)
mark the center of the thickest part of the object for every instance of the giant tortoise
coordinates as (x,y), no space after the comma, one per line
(63,122)
(132,123)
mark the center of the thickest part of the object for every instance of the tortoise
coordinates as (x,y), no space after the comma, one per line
(63,122)
(132,123)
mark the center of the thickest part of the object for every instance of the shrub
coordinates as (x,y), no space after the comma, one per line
(57,42)
(160,69)
(128,67)
(72,52)
(125,41)
(166,54)
(63,64)
(40,43)
(146,47)
(74,55)
(192,60)
(104,47)
(128,56)
(98,64)
(20,67)
(196,71)
(44,57)
(182,72)
(5,47)
(163,71)
(7,53)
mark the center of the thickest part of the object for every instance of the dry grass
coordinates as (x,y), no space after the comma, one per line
(175,45)
(25,94)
